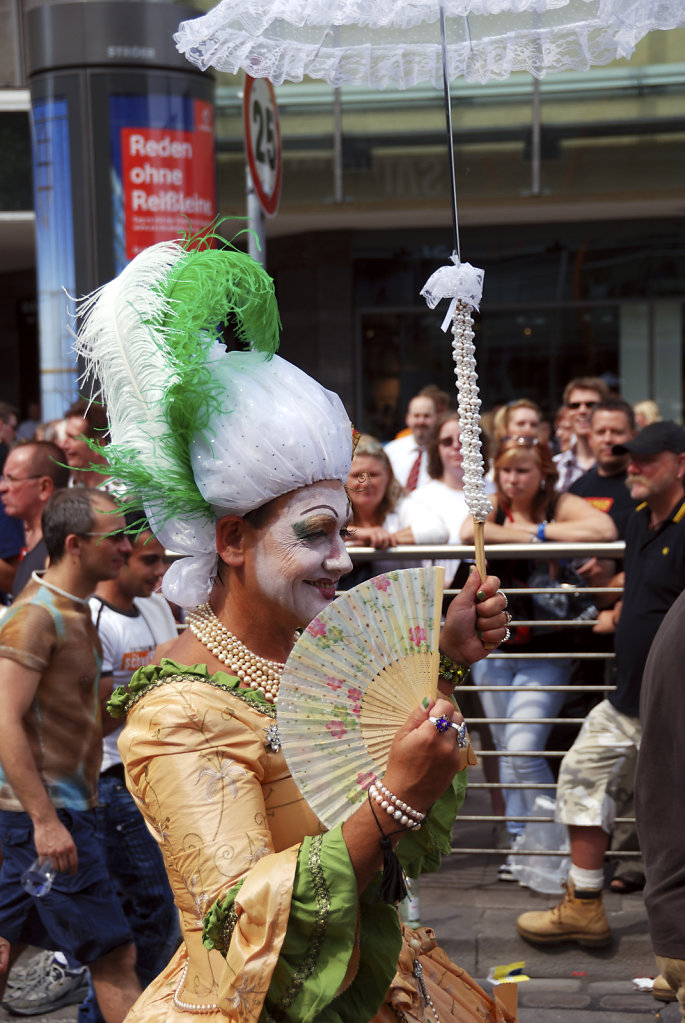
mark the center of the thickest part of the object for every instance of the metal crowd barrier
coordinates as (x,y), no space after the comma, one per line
(533,551)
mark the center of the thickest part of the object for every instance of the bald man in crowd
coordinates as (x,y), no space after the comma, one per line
(407,454)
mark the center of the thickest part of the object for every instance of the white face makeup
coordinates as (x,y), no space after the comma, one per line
(300,554)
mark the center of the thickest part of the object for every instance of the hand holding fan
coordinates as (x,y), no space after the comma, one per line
(352,679)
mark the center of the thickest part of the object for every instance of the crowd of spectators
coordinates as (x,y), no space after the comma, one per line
(551,478)
(599,469)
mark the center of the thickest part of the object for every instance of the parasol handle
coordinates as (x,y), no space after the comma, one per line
(479,545)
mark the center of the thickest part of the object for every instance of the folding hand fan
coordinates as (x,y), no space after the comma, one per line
(352,679)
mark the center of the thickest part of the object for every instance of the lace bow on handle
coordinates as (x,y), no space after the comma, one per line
(459,282)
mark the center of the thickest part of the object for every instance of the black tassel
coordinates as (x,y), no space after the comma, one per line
(393,888)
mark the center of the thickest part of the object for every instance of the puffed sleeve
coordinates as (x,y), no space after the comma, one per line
(194,768)
(338,954)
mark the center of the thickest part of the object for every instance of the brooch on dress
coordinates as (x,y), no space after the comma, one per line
(273,739)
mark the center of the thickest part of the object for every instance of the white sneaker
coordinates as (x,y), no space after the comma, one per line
(48,986)
(28,969)
(504,871)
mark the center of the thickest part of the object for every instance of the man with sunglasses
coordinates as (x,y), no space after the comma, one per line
(581,396)
(51,749)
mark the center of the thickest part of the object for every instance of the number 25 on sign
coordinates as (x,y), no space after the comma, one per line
(263,141)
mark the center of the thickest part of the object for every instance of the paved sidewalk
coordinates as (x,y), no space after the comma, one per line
(474,916)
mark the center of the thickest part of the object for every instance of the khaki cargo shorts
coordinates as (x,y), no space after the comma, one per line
(599,769)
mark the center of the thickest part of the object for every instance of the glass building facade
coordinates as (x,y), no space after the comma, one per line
(571,197)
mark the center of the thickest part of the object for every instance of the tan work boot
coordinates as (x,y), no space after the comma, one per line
(578,917)
(662,990)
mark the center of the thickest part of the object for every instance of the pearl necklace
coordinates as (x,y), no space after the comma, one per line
(258,672)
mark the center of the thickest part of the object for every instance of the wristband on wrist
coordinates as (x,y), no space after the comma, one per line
(452,671)
(541,531)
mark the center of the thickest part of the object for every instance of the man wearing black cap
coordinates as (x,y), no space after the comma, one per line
(606,747)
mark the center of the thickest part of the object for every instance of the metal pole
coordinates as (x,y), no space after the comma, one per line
(256,236)
(535,141)
(450,143)
(337,147)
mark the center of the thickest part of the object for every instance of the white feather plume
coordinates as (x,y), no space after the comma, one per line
(122,343)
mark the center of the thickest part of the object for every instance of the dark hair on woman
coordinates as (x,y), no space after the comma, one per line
(434,464)
(512,448)
(372,448)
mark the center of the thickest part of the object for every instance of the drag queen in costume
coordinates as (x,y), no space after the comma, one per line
(239,459)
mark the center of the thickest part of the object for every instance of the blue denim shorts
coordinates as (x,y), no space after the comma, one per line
(80,915)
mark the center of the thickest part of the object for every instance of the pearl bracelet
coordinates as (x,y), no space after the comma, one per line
(396,808)
(398,803)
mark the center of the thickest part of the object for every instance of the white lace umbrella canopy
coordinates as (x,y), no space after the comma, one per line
(396,43)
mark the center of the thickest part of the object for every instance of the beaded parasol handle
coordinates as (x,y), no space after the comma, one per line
(463,285)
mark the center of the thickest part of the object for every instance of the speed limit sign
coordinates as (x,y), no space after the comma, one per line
(263,141)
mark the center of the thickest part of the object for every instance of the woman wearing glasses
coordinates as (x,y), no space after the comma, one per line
(526,509)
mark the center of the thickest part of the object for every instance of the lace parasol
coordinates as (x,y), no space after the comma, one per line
(396,43)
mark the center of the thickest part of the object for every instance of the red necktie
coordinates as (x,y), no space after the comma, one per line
(413,477)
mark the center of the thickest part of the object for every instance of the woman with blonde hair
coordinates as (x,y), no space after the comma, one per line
(646,412)
(381,515)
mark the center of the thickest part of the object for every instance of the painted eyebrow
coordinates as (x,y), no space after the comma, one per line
(316,507)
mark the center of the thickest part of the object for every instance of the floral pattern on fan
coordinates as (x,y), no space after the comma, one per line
(352,678)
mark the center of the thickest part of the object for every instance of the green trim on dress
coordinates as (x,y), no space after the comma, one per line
(151,676)
(219,923)
(318,934)
(327,920)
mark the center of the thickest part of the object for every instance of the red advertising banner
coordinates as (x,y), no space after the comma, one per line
(168,179)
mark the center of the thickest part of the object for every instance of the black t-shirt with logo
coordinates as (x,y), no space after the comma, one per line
(608,494)
(655,577)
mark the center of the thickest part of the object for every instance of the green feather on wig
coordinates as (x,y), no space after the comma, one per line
(149,337)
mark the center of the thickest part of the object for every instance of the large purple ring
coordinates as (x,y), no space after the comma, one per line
(442,724)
